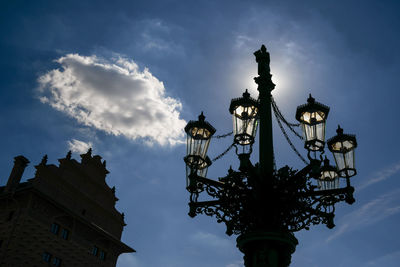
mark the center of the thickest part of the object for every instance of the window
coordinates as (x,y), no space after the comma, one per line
(95,250)
(46,257)
(56,261)
(64,234)
(102,255)
(10,216)
(54,228)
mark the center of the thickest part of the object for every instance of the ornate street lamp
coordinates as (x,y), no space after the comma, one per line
(342,146)
(244,112)
(329,178)
(312,117)
(199,135)
(195,170)
(261,204)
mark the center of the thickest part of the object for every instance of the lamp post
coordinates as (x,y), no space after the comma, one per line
(263,205)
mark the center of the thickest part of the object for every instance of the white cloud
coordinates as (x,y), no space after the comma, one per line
(381,175)
(113,96)
(370,213)
(128,260)
(211,240)
(79,146)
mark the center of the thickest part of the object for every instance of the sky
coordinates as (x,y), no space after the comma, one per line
(124,77)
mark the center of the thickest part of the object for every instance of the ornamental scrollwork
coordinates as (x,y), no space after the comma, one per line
(234,200)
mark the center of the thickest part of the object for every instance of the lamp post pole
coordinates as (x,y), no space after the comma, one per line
(265,86)
(263,205)
(266,247)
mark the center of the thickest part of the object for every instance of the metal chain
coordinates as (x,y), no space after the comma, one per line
(223,153)
(222,135)
(288,124)
(287,138)
(279,114)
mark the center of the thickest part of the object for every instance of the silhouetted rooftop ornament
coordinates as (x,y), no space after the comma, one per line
(87,156)
(44,160)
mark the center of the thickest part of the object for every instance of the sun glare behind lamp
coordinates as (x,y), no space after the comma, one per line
(312,117)
(329,178)
(342,146)
(244,112)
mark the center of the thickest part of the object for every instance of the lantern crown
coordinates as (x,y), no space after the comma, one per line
(342,142)
(312,112)
(245,101)
(200,129)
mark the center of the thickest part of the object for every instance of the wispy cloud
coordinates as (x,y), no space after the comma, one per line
(381,175)
(386,260)
(211,240)
(113,96)
(79,146)
(242,40)
(157,36)
(128,260)
(370,213)
(236,264)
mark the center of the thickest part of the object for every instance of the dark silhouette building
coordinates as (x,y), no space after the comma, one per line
(64,216)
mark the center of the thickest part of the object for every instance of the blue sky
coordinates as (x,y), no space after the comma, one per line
(73,73)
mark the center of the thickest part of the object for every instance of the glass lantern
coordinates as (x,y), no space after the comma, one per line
(342,146)
(191,173)
(312,117)
(244,112)
(199,134)
(329,178)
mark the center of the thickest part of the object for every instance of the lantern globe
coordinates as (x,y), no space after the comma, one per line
(329,178)
(200,168)
(312,117)
(244,112)
(199,134)
(343,146)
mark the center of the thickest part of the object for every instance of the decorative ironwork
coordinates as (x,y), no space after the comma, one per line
(262,204)
(301,204)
